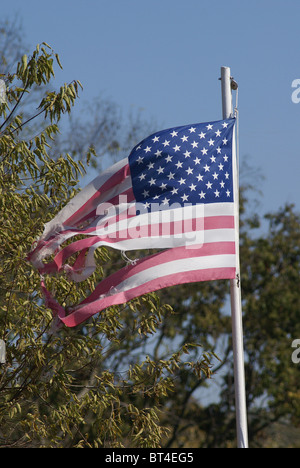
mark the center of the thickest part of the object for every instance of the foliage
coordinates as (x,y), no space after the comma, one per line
(270,263)
(96,385)
(271,305)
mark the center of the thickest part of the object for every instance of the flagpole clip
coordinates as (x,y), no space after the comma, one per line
(233,84)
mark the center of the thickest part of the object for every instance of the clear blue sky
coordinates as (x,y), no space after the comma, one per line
(164,56)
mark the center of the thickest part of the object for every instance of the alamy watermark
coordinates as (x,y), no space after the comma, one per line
(2,92)
(296,93)
(296,353)
(2,352)
(183,224)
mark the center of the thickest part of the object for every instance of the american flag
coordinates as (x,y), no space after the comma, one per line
(175,192)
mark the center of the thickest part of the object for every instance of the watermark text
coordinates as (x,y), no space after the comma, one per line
(296,353)
(296,93)
(127,220)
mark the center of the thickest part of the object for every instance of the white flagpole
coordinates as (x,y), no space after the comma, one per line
(235,292)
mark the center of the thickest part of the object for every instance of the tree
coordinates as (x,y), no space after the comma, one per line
(11,44)
(84,387)
(270,271)
(271,305)
(270,263)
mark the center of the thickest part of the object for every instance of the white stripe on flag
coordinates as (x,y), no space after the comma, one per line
(214,261)
(176,266)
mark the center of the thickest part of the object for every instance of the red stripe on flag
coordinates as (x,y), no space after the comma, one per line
(94,303)
(170,228)
(178,253)
(87,311)
(93,202)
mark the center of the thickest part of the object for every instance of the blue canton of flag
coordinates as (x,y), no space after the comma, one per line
(189,164)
